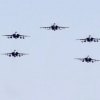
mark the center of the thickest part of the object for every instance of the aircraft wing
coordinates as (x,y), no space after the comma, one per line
(21,54)
(8,54)
(46,27)
(81,39)
(60,27)
(79,59)
(24,36)
(7,35)
(96,38)
(95,60)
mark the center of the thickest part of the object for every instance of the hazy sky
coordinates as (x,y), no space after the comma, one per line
(50,71)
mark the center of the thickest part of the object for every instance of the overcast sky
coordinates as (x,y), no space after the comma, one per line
(50,71)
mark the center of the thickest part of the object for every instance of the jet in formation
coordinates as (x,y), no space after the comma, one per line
(87,59)
(15,54)
(16,36)
(89,39)
(54,27)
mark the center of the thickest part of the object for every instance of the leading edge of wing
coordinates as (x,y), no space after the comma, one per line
(46,27)
(6,54)
(95,60)
(23,54)
(63,27)
(25,35)
(80,39)
(79,58)
(6,35)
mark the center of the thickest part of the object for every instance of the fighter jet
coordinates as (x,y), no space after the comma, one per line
(16,36)
(54,27)
(89,39)
(14,54)
(87,59)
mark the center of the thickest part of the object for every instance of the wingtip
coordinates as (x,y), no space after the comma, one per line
(77,39)
(75,58)
(3,54)
(27,36)
(67,27)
